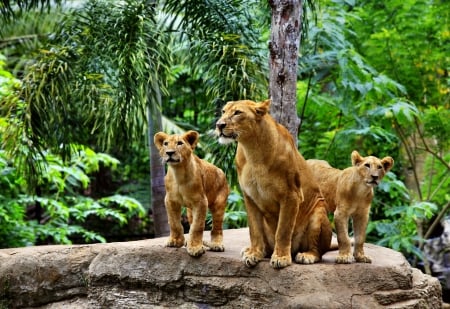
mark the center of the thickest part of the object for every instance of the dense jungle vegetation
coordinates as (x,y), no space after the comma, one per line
(80,82)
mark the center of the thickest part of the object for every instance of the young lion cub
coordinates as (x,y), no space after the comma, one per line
(349,193)
(195,184)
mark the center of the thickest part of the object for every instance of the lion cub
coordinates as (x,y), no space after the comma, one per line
(195,184)
(349,193)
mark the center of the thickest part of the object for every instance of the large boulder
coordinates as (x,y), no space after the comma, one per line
(145,274)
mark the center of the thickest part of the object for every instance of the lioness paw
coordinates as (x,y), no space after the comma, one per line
(344,259)
(214,246)
(250,258)
(196,250)
(306,258)
(175,242)
(280,261)
(361,258)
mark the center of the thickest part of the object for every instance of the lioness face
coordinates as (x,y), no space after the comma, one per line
(237,119)
(175,148)
(370,168)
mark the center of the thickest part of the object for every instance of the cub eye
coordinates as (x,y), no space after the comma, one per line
(380,167)
(166,143)
(179,143)
(367,165)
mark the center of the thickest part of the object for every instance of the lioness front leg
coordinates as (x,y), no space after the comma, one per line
(176,237)
(281,256)
(255,253)
(195,243)
(341,223)
(359,228)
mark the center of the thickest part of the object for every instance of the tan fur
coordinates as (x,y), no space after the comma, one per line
(286,212)
(195,184)
(349,194)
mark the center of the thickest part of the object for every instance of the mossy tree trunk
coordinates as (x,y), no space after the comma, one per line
(283,62)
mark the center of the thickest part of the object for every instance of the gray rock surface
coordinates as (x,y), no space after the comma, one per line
(145,274)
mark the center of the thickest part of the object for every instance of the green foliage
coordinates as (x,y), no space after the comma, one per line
(63,206)
(235,215)
(398,231)
(371,81)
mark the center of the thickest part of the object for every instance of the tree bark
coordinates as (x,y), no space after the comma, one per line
(157,173)
(283,62)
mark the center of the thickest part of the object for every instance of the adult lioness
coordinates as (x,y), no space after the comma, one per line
(195,184)
(286,212)
(349,193)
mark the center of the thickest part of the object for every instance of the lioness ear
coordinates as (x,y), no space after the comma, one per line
(159,138)
(388,163)
(356,158)
(263,108)
(192,138)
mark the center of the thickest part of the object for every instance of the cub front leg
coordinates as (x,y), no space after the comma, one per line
(359,228)
(195,242)
(255,253)
(341,223)
(176,237)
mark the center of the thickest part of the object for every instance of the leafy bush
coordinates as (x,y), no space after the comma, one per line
(62,206)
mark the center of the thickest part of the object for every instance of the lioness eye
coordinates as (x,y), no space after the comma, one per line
(367,165)
(237,112)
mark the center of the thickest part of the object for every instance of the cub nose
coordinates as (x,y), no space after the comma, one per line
(220,125)
(375,177)
(170,152)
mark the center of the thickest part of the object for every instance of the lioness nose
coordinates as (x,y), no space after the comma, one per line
(170,152)
(220,125)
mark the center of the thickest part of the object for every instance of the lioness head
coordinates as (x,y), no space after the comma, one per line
(370,168)
(175,148)
(238,118)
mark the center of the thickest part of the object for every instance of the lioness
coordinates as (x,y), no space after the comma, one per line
(349,193)
(286,212)
(195,184)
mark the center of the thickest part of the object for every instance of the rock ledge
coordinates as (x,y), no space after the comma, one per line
(145,274)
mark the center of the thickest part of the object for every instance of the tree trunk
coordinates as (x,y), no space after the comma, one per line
(157,172)
(283,62)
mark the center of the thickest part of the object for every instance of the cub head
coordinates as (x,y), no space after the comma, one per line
(175,149)
(239,120)
(370,168)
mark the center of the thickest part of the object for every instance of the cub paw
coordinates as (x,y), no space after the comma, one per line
(250,258)
(361,258)
(306,258)
(344,259)
(196,250)
(280,261)
(175,242)
(213,246)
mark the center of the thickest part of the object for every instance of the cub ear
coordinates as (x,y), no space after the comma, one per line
(356,158)
(263,108)
(192,138)
(388,163)
(159,138)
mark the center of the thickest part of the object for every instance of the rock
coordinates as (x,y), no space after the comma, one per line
(145,274)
